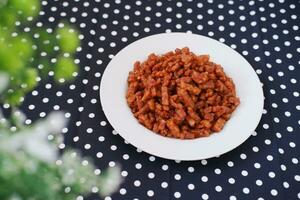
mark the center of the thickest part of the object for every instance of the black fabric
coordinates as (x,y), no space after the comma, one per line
(265,32)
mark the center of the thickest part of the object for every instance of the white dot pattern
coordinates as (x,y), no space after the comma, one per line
(266,33)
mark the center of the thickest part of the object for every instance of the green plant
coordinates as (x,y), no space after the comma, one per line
(31,166)
(25,56)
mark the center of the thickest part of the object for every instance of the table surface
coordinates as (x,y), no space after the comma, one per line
(265,32)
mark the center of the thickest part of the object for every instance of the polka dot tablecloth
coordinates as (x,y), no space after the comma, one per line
(265,32)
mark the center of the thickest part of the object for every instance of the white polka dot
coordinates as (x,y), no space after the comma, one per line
(199,27)
(246,190)
(101,138)
(230,164)
(289,129)
(152,158)
(199,5)
(231,180)
(217,171)
(164,184)
(259,183)
(274,192)
(123,191)
(243,156)
(205,196)
(177,195)
(274,105)
(138,166)
(99,155)
(87,146)
(257,165)
(31,107)
(113,147)
(191,186)
(292,144)
(280,150)
(297,178)
(150,193)
(286,184)
(137,183)
(204,179)
(114,132)
(283,167)
(85,162)
(191,169)
(232,198)
(204,162)
(244,173)
(79,198)
(151,175)
(177,177)
(265,126)
(271,174)
(218,188)
(269,157)
(276,120)
(295,161)
(165,167)
(125,156)
(103,123)
(124,173)
(112,164)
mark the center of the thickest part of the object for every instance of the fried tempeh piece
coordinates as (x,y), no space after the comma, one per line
(185,98)
(180,94)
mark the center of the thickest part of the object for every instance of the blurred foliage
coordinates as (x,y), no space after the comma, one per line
(31,167)
(26,55)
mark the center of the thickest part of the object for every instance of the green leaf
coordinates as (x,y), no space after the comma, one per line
(68,39)
(64,68)
(9,62)
(46,41)
(14,98)
(26,8)
(23,46)
(30,76)
(7,17)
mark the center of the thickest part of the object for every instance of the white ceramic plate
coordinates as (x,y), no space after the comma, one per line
(241,125)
